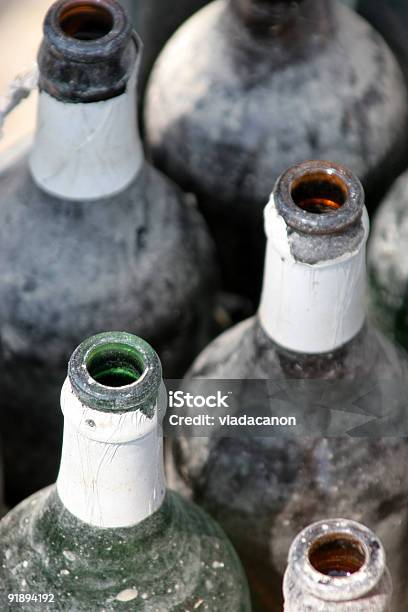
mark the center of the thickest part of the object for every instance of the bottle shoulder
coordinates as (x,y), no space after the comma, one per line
(58,257)
(246,352)
(166,561)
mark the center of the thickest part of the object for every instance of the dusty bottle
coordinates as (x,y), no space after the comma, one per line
(387,263)
(311,326)
(92,237)
(272,83)
(108,535)
(337,566)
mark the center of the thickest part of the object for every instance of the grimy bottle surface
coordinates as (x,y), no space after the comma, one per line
(388,263)
(337,566)
(108,536)
(272,83)
(92,238)
(311,325)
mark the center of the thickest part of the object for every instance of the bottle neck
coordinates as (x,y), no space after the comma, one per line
(111,472)
(293,20)
(311,308)
(87,151)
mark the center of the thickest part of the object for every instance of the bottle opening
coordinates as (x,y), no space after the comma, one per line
(319,192)
(337,555)
(115,365)
(86,21)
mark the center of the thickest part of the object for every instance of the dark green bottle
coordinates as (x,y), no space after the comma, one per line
(108,536)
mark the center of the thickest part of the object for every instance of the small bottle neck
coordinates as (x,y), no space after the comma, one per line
(87,145)
(271,18)
(337,566)
(314,293)
(112,471)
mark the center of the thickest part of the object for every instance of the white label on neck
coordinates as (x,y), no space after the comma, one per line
(306,308)
(87,151)
(111,472)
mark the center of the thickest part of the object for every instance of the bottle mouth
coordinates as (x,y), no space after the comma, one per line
(338,560)
(86,20)
(115,365)
(88,30)
(115,371)
(337,555)
(319,197)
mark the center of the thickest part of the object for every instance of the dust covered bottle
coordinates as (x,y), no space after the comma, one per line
(337,566)
(311,330)
(387,263)
(109,535)
(92,237)
(271,83)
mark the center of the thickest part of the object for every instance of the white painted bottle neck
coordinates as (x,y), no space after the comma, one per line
(111,472)
(306,308)
(87,151)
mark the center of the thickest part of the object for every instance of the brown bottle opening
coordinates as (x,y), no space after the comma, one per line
(86,21)
(319,193)
(337,555)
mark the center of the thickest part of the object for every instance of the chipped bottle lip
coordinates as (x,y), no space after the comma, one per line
(339,220)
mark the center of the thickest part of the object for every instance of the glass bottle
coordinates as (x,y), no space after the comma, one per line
(92,237)
(337,566)
(311,328)
(272,83)
(388,271)
(109,535)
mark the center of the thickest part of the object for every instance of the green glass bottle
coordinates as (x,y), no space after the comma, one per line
(108,535)
(337,566)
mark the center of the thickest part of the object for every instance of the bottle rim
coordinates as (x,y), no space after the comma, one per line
(320,176)
(359,582)
(97,49)
(116,372)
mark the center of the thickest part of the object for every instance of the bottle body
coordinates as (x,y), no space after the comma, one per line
(264,490)
(178,556)
(107,241)
(205,130)
(108,534)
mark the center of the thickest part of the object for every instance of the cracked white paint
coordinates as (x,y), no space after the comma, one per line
(112,473)
(311,308)
(87,150)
